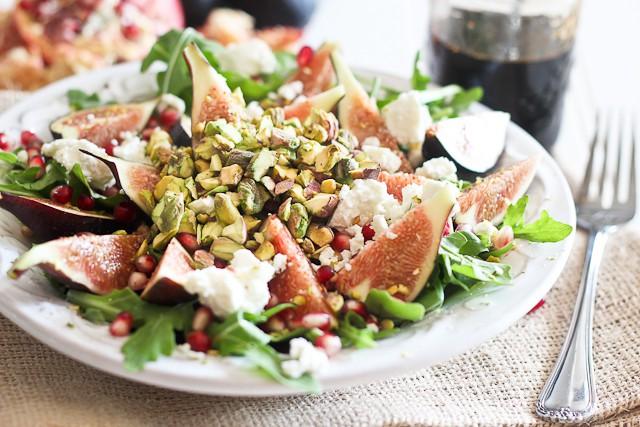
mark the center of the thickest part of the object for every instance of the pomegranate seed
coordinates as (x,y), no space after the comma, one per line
(61,194)
(199,341)
(27,137)
(220,263)
(537,306)
(189,241)
(27,5)
(357,307)
(201,319)
(368,232)
(110,146)
(340,242)
(169,117)
(111,191)
(153,123)
(125,212)
(131,31)
(330,343)
(86,202)
(317,320)
(32,152)
(137,281)
(36,162)
(121,325)
(324,273)
(305,55)
(4,142)
(448,227)
(145,264)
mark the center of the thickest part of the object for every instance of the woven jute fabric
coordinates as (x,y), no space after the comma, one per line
(494,384)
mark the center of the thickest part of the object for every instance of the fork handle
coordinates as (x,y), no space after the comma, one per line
(569,394)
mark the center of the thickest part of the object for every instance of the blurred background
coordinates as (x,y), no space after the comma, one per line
(44,40)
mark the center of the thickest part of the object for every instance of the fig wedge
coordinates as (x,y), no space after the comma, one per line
(324,101)
(359,114)
(48,220)
(98,264)
(132,177)
(318,75)
(212,98)
(102,124)
(164,285)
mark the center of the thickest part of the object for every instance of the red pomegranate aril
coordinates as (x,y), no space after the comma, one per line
(324,274)
(145,264)
(153,123)
(448,228)
(169,117)
(121,325)
(368,232)
(220,263)
(202,318)
(36,162)
(330,343)
(188,241)
(27,137)
(4,142)
(537,306)
(131,31)
(125,212)
(317,320)
(86,202)
(357,307)
(137,281)
(199,341)
(61,194)
(340,242)
(304,57)
(110,146)
(111,191)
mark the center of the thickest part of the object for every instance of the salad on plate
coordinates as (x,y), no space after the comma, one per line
(267,206)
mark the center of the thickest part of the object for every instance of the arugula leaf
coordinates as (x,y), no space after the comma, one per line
(27,179)
(419,81)
(462,100)
(268,363)
(515,213)
(10,158)
(156,337)
(18,190)
(353,331)
(432,297)
(545,229)
(79,100)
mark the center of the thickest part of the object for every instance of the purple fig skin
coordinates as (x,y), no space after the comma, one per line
(47,220)
(164,286)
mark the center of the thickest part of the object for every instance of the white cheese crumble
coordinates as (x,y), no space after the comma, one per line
(291,90)
(132,148)
(249,58)
(327,256)
(386,158)
(379,225)
(371,141)
(438,168)
(67,153)
(356,244)
(279,263)
(407,118)
(305,358)
(241,286)
(253,111)
(365,199)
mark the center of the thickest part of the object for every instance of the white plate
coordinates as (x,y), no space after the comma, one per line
(32,305)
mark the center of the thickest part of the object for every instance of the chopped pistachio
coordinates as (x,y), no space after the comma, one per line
(293,122)
(236,231)
(285,156)
(222,128)
(218,189)
(216,163)
(190,185)
(259,237)
(277,116)
(298,221)
(307,246)
(347,139)
(283,186)
(202,165)
(181,163)
(265,251)
(322,205)
(224,248)
(210,231)
(253,196)
(305,177)
(370,173)
(320,235)
(169,183)
(222,143)
(231,175)
(330,156)
(188,223)
(260,164)
(226,212)
(308,152)
(251,222)
(268,183)
(316,132)
(235,198)
(284,138)
(311,189)
(204,150)
(324,120)
(202,218)
(297,193)
(239,157)
(203,259)
(328,186)
(284,210)
(252,245)
(265,127)
(148,200)
(341,171)
(280,173)
(335,301)
(143,248)
(167,216)
(209,184)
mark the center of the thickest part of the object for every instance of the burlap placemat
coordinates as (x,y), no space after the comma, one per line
(495,384)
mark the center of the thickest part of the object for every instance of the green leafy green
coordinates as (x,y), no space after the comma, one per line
(10,158)
(79,100)
(384,305)
(432,298)
(544,230)
(515,213)
(353,332)
(156,337)
(419,80)
(462,100)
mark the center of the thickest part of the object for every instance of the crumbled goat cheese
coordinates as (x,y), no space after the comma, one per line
(291,90)
(305,358)
(132,149)
(365,199)
(279,263)
(485,227)
(379,225)
(371,141)
(204,205)
(327,256)
(438,168)
(386,158)
(241,286)
(67,153)
(254,111)
(170,100)
(356,243)
(185,351)
(407,118)
(249,58)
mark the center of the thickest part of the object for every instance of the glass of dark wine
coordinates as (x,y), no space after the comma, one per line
(518,51)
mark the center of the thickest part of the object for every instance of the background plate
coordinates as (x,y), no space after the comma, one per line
(32,304)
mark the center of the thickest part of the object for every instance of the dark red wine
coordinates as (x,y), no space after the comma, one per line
(526,77)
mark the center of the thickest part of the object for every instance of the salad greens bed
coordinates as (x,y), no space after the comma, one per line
(467,263)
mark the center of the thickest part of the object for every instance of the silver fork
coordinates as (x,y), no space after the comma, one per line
(569,394)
